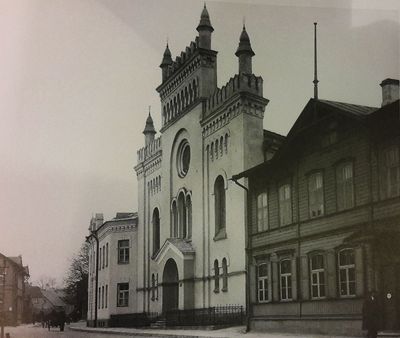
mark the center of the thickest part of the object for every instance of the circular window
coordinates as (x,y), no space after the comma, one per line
(183,158)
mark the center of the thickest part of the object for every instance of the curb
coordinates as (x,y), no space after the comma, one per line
(139,333)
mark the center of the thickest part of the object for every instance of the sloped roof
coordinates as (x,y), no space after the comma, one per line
(34,291)
(53,298)
(182,245)
(350,108)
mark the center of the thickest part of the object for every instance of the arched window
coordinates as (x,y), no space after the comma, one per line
(174,220)
(285,272)
(216,276)
(347,272)
(156,230)
(216,148)
(221,146)
(219,196)
(224,275)
(317,276)
(189,216)
(182,215)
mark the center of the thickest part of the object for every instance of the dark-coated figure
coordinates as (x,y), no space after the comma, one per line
(371,315)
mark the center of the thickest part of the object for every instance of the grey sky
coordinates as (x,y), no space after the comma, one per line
(77,78)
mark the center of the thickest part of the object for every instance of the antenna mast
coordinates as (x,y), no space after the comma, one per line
(315,63)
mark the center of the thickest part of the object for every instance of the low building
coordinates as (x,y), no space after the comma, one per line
(324,220)
(12,289)
(113,298)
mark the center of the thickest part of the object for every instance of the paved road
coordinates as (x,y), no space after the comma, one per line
(30,331)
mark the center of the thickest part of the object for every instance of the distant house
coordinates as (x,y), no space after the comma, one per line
(12,288)
(45,301)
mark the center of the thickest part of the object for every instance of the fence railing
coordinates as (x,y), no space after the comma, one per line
(217,315)
(133,319)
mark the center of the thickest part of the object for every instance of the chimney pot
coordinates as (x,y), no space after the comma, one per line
(390,91)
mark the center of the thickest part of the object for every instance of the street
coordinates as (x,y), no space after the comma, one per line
(31,331)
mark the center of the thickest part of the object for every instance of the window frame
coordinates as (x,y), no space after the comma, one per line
(263,211)
(220,206)
(317,272)
(316,193)
(285,205)
(125,250)
(216,276)
(389,182)
(122,295)
(342,185)
(224,275)
(347,268)
(288,277)
(265,284)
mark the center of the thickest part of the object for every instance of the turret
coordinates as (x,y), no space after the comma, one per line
(244,53)
(205,29)
(149,130)
(166,62)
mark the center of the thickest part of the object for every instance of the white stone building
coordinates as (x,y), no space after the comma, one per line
(191,228)
(116,273)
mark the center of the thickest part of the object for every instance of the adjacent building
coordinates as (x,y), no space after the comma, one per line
(12,289)
(324,219)
(114,293)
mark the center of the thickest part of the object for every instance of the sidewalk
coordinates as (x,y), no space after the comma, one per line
(238,331)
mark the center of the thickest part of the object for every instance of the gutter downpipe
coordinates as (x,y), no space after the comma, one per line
(93,234)
(247,245)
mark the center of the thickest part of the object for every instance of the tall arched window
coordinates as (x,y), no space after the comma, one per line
(224,275)
(216,276)
(174,220)
(156,230)
(220,213)
(153,287)
(182,215)
(189,216)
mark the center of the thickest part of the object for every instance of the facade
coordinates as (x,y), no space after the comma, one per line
(116,268)
(191,216)
(324,219)
(12,289)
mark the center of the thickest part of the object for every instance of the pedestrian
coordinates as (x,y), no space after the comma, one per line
(371,315)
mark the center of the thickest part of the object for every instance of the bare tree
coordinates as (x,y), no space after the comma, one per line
(76,281)
(46,282)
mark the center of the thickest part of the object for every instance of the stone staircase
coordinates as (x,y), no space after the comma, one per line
(161,323)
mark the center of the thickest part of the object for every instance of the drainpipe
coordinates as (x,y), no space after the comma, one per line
(247,245)
(93,234)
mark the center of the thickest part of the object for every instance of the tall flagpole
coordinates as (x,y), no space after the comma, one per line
(315,63)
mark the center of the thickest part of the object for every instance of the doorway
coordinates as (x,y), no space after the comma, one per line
(170,280)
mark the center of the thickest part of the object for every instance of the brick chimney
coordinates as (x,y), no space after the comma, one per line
(390,91)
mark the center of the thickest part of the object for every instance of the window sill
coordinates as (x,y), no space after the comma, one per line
(216,290)
(220,235)
(224,289)
(123,263)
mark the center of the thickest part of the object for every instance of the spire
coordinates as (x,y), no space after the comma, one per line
(244,44)
(315,63)
(149,128)
(244,52)
(167,59)
(205,23)
(205,29)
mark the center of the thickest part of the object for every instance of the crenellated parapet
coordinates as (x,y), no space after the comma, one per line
(239,83)
(147,152)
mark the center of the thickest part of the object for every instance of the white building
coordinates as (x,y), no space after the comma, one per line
(116,286)
(191,228)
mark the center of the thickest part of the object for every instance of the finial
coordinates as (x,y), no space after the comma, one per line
(244,23)
(315,63)
(149,110)
(205,7)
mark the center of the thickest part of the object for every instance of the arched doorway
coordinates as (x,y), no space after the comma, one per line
(170,286)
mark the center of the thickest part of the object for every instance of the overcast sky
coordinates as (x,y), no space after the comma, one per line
(77,77)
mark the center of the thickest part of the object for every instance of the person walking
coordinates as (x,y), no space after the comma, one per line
(371,315)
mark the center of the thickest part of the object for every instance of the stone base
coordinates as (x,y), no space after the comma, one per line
(340,327)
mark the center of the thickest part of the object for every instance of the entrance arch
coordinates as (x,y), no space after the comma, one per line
(170,286)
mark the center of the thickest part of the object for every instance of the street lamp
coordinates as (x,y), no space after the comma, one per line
(93,234)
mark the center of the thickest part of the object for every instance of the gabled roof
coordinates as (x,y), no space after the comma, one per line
(34,291)
(53,298)
(180,246)
(311,114)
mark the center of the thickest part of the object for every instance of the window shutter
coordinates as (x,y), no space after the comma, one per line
(331,268)
(358,257)
(305,277)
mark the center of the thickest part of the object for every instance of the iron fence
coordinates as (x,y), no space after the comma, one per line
(133,319)
(216,315)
